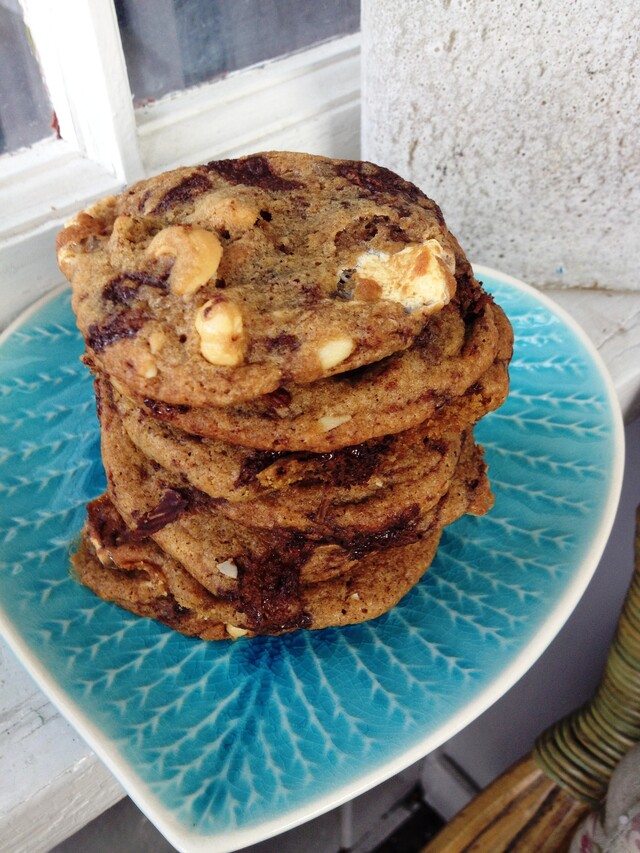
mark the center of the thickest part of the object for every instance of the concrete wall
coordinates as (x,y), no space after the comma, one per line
(522,120)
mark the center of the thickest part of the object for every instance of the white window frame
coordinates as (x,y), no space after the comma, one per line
(308,101)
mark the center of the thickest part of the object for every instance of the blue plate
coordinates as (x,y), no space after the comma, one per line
(224,744)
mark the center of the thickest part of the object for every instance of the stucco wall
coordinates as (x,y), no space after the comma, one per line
(522,120)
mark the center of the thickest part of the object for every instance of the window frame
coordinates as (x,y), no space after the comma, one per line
(306,101)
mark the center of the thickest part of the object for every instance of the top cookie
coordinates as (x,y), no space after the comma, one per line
(216,284)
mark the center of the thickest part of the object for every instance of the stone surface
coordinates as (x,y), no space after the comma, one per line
(521,121)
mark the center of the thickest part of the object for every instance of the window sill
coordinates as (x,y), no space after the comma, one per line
(309,101)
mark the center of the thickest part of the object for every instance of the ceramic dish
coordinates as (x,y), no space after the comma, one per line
(224,744)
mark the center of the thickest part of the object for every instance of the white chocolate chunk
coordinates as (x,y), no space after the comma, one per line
(196,252)
(418,276)
(334,351)
(329,422)
(234,632)
(221,331)
(228,568)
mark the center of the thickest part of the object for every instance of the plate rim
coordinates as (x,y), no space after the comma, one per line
(177,833)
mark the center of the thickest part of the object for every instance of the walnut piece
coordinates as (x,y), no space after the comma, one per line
(78,230)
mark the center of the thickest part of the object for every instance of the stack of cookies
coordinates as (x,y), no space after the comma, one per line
(290,354)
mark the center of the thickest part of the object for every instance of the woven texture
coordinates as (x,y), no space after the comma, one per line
(581,751)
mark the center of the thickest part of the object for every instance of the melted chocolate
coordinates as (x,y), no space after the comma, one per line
(165,410)
(169,507)
(401,532)
(124,325)
(278,399)
(364,230)
(285,342)
(184,192)
(377,180)
(123,289)
(255,463)
(252,171)
(475,388)
(347,466)
(470,295)
(356,464)
(168,611)
(269,589)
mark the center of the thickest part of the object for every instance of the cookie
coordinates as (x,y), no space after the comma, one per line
(291,353)
(347,487)
(215,284)
(198,532)
(140,577)
(456,366)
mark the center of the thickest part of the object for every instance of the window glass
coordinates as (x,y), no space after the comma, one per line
(25,111)
(174,44)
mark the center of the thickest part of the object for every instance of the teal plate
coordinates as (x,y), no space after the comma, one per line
(224,744)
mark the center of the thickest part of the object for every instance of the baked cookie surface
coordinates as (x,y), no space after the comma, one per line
(160,549)
(452,375)
(216,284)
(139,576)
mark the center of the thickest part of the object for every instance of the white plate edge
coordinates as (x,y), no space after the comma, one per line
(175,832)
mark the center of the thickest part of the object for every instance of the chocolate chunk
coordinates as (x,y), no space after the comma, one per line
(165,410)
(252,171)
(121,290)
(184,192)
(256,462)
(377,180)
(111,529)
(171,504)
(269,589)
(123,325)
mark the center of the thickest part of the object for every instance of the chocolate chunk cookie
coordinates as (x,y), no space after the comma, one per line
(216,284)
(290,355)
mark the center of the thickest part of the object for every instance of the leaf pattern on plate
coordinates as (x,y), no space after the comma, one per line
(216,738)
